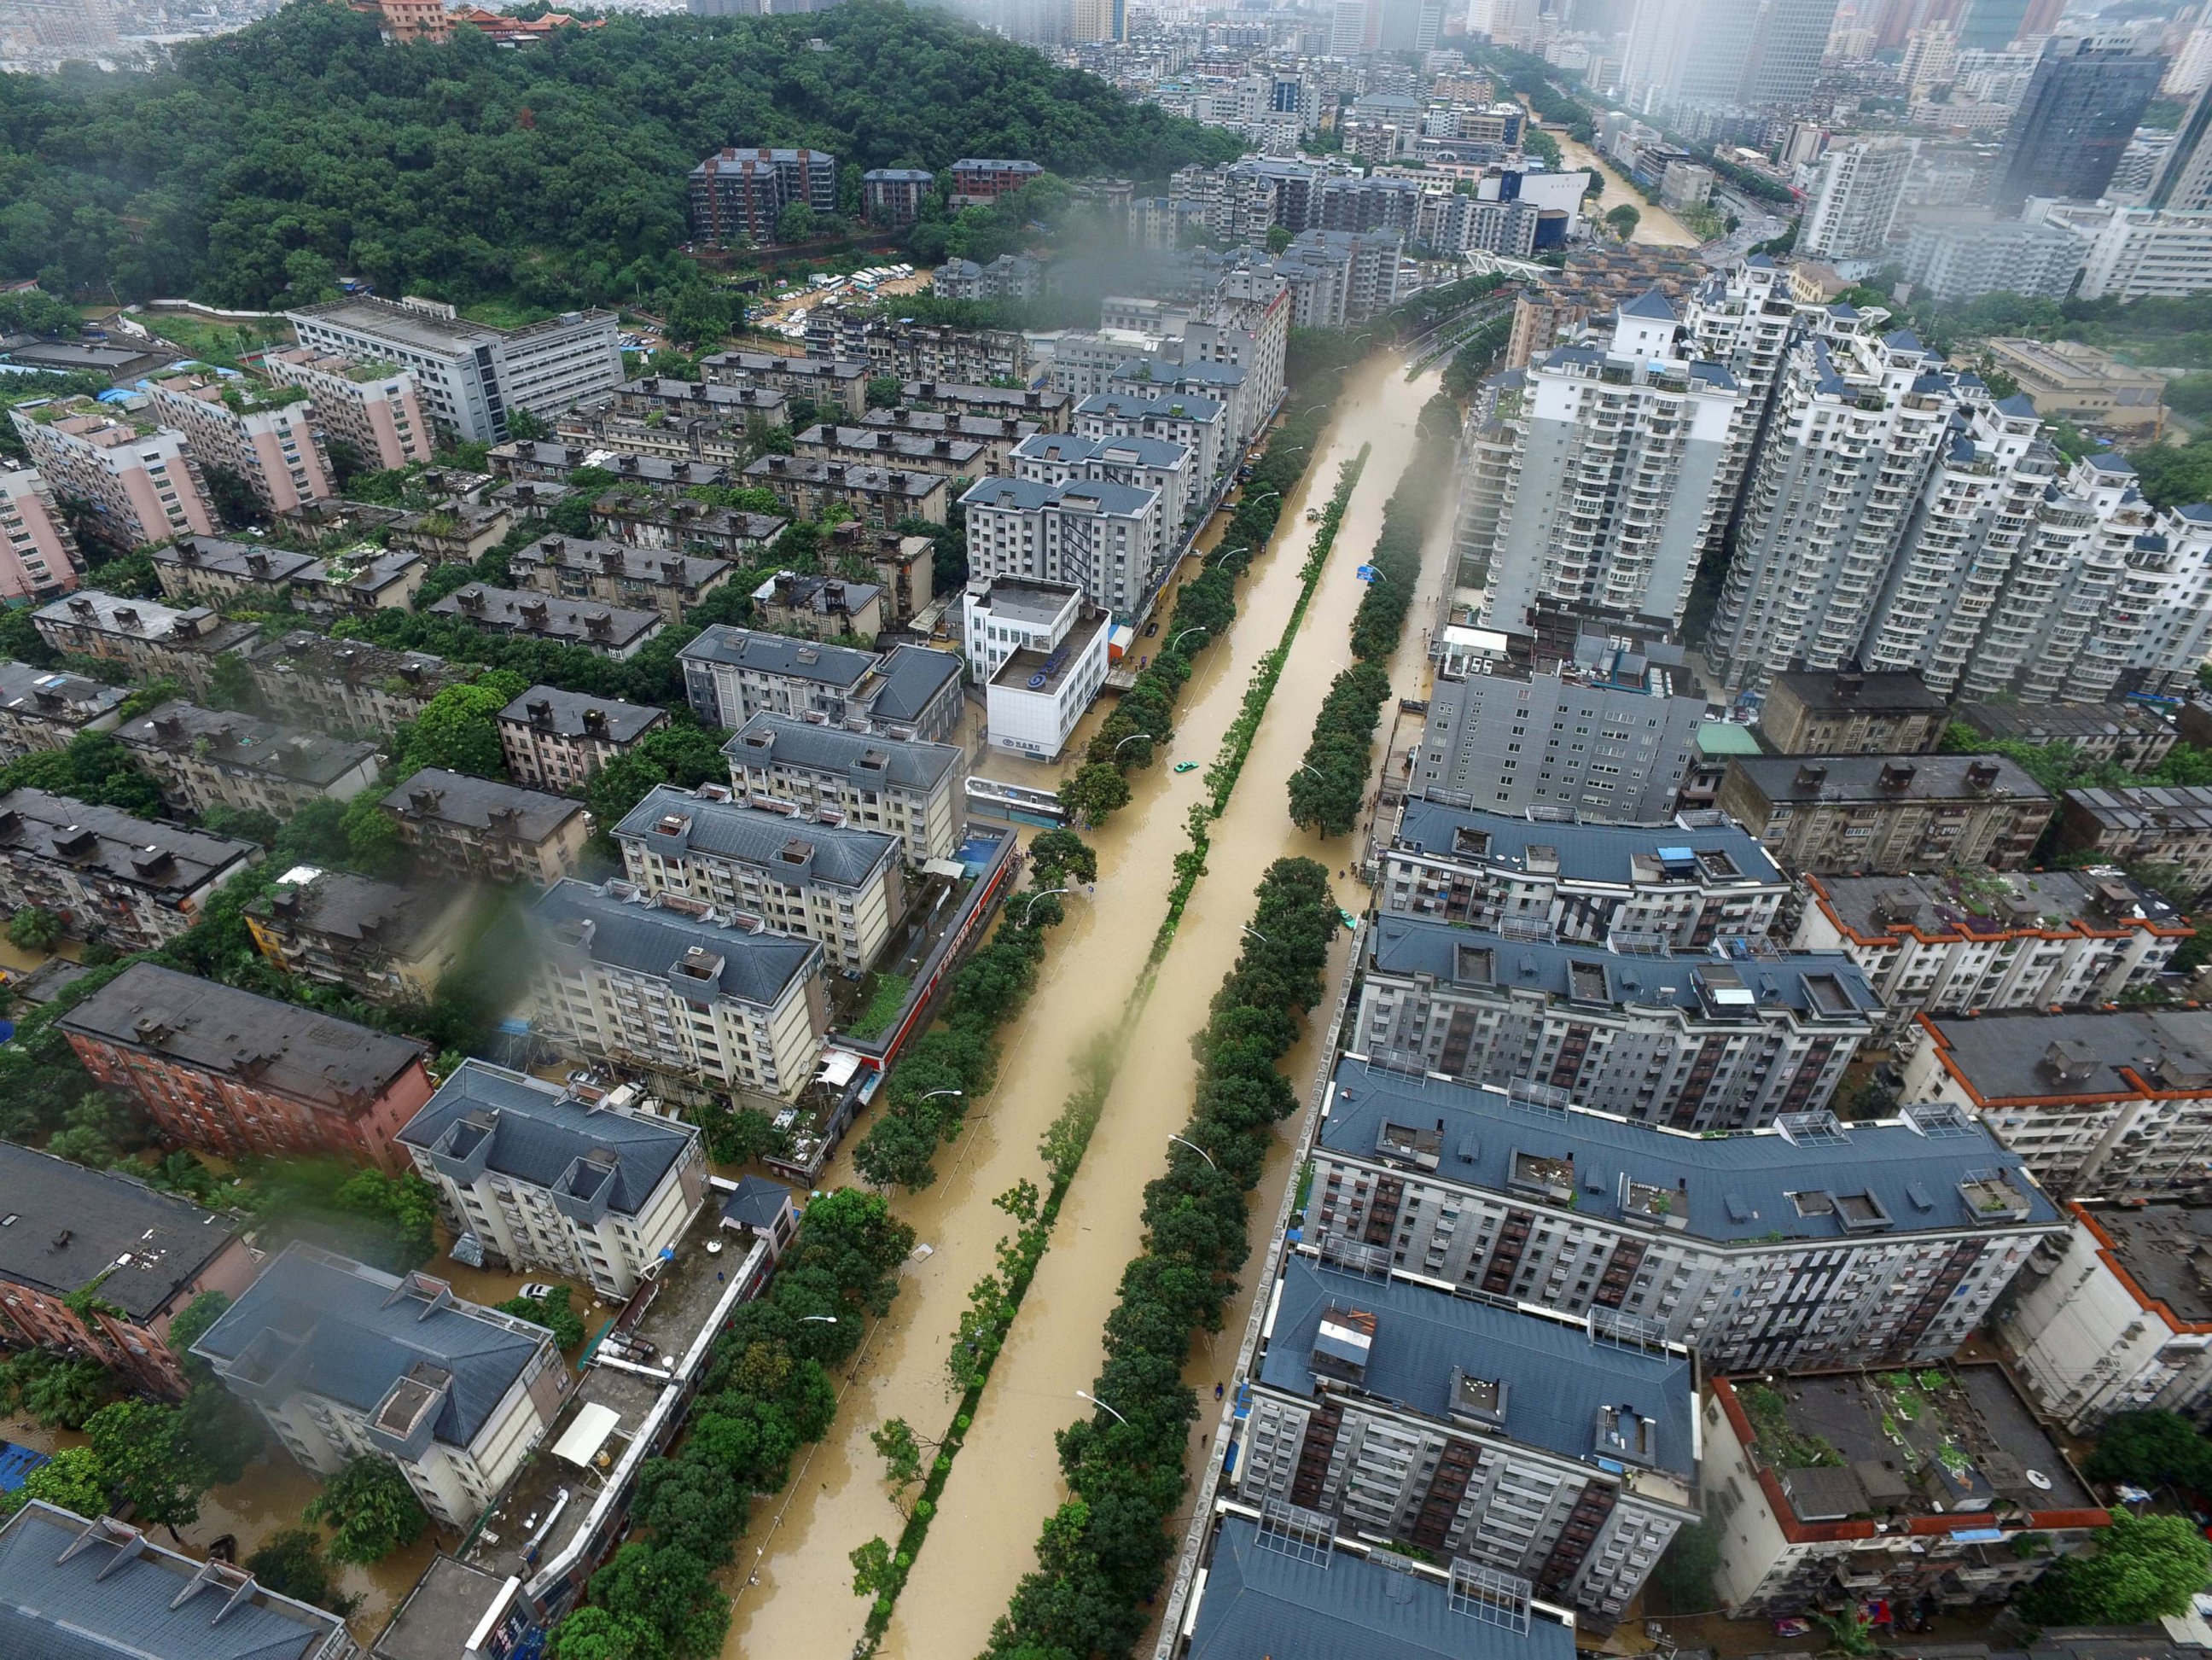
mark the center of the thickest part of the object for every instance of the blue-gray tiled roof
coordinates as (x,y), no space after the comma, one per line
(1557,1380)
(1810,984)
(913,677)
(1729,1189)
(1586,853)
(779,654)
(539,1130)
(755,967)
(753,836)
(111,1600)
(333,1326)
(1261,1602)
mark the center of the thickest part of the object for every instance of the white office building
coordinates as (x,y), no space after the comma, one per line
(470,374)
(1039,650)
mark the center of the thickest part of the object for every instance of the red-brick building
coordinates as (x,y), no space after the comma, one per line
(230,1072)
(144,1254)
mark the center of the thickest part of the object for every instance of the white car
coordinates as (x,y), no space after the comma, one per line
(536,1289)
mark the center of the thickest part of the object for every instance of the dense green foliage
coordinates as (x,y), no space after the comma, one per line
(1142,723)
(553,1312)
(261,164)
(1331,781)
(293,1563)
(2059,766)
(1102,1554)
(928,1091)
(1685,1571)
(371,1509)
(764,1393)
(2144,1568)
(2154,1449)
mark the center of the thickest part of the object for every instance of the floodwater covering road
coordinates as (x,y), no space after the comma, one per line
(791,1584)
(1654,225)
(1008,1478)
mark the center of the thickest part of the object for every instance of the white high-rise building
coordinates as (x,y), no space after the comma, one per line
(1856,202)
(1857,421)
(1616,475)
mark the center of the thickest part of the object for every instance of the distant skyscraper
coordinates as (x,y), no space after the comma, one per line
(2186,181)
(1855,203)
(1993,24)
(2082,107)
(1725,54)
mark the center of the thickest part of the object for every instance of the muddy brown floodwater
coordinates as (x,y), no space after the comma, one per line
(792,1582)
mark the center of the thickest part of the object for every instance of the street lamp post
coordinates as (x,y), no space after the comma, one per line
(1041,893)
(1197,1149)
(1195,627)
(1256,934)
(933,1094)
(826,1319)
(1132,738)
(1085,1395)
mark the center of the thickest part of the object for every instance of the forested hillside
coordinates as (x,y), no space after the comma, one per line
(304,145)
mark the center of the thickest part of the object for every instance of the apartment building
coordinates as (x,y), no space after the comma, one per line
(2156,824)
(344,1361)
(2121,1320)
(984,180)
(1858,421)
(201,758)
(207,569)
(372,409)
(1855,203)
(453,531)
(2068,380)
(142,482)
(2129,735)
(1697,1042)
(109,875)
(1801,1247)
(261,434)
(1888,814)
(350,685)
(368,579)
(1941,1484)
(49,708)
(1972,940)
(655,981)
(827,383)
(148,1254)
(843,888)
(469,376)
(388,941)
(914,791)
(666,525)
(226,1072)
(559,740)
(612,631)
(1159,464)
(1530,1445)
(154,641)
(893,196)
(1050,409)
(739,195)
(38,556)
(1101,536)
(994,435)
(732,674)
(614,574)
(1200,425)
(939,351)
(1679,886)
(810,606)
(1040,651)
(543,1177)
(1602,734)
(495,832)
(1851,712)
(2099,1104)
(100,1590)
(1613,483)
(881,447)
(2141,253)
(879,497)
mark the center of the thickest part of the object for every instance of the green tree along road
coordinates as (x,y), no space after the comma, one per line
(259,164)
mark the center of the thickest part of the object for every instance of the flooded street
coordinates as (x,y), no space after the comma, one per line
(1008,1480)
(1656,225)
(792,1584)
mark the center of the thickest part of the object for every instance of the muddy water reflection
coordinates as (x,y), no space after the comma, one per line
(1009,1480)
